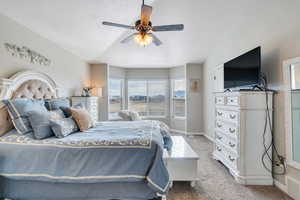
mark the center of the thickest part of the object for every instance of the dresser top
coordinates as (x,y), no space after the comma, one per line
(236,93)
(80,97)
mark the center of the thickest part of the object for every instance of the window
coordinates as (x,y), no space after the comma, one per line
(148,97)
(115,96)
(178,97)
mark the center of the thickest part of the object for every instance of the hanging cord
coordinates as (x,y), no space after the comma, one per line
(267,155)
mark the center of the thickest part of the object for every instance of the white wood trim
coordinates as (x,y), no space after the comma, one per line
(178,131)
(281,186)
(195,133)
(288,112)
(209,138)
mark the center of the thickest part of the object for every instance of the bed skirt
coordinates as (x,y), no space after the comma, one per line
(36,190)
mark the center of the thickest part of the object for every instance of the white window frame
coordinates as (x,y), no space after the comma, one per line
(172,99)
(122,94)
(147,94)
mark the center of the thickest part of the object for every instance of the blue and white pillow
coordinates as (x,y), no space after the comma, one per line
(55,104)
(18,111)
(40,122)
(64,127)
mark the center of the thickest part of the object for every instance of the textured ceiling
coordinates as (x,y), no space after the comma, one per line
(76,26)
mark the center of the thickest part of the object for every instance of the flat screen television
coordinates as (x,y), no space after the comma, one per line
(243,71)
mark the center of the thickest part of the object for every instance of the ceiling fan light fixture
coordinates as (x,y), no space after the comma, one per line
(143,39)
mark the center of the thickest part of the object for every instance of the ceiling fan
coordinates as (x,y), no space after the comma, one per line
(144,28)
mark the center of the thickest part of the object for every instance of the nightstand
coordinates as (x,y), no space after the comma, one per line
(91,104)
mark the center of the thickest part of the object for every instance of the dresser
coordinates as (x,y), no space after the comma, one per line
(239,127)
(91,104)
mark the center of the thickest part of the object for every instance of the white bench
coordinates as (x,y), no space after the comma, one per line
(182,162)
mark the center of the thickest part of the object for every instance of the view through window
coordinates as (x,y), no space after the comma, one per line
(148,97)
(115,96)
(178,99)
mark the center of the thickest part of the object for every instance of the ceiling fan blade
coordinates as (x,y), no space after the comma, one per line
(130,37)
(174,27)
(155,40)
(118,25)
(146,14)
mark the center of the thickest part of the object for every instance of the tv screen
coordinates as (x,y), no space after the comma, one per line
(243,70)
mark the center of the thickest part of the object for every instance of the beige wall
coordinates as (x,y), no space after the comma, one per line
(67,70)
(279,37)
(194,108)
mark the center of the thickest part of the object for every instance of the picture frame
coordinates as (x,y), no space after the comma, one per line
(195,85)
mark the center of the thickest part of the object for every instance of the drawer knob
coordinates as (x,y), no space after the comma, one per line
(219,149)
(232,116)
(231,158)
(231,130)
(231,144)
(220,113)
(219,125)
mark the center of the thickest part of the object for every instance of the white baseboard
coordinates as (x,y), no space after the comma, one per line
(209,138)
(187,133)
(178,131)
(195,133)
(281,186)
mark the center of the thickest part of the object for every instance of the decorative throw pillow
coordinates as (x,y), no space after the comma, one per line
(40,122)
(67,110)
(57,114)
(5,121)
(55,104)
(63,127)
(18,111)
(134,116)
(124,114)
(83,119)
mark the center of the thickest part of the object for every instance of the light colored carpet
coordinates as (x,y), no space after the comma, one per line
(215,182)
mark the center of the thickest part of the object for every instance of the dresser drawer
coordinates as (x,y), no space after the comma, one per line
(220,125)
(231,159)
(232,145)
(227,157)
(219,150)
(227,128)
(220,100)
(219,137)
(227,115)
(231,116)
(231,130)
(233,101)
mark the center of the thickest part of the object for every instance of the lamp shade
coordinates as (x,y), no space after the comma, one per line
(97,92)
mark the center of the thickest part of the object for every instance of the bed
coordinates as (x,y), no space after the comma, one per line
(113,160)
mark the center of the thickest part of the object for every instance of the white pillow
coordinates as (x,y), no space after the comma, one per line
(135,116)
(124,114)
(128,115)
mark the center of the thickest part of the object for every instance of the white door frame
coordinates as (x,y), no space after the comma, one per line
(288,111)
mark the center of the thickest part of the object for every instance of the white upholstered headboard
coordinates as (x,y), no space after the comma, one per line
(24,84)
(28,84)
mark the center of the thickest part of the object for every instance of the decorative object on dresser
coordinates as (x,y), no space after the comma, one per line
(86,92)
(239,135)
(26,53)
(91,104)
(182,162)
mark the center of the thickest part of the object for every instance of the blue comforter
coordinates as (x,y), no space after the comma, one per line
(110,152)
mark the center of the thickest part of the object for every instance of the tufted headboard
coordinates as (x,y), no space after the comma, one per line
(25,84)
